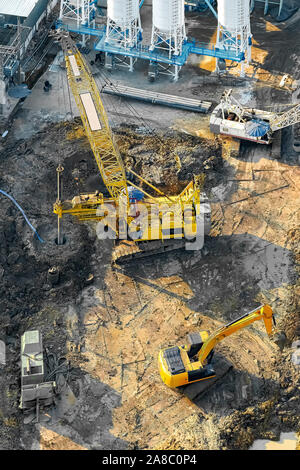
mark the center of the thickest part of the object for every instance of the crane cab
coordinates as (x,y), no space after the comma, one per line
(254,127)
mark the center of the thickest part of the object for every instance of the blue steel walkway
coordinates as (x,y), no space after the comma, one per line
(143,52)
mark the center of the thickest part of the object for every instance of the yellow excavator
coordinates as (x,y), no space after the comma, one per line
(142,222)
(183,365)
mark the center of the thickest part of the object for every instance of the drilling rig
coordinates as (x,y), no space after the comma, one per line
(230,118)
(142,222)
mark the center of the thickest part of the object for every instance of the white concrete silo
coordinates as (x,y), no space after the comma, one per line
(168,27)
(234,31)
(123,23)
(81,11)
(168,31)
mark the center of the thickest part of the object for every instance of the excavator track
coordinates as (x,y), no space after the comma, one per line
(126,250)
(197,390)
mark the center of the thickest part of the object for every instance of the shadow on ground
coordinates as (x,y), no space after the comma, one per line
(82,418)
(226,281)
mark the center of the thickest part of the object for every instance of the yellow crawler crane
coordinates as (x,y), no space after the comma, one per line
(155,223)
(182,365)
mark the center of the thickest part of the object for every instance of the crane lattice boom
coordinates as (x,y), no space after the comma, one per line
(161,222)
(94,119)
(290,117)
(232,104)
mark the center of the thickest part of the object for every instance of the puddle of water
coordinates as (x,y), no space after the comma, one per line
(288,441)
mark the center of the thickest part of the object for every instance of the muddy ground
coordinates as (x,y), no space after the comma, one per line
(111,329)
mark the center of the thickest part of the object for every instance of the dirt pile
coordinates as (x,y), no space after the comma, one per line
(169,160)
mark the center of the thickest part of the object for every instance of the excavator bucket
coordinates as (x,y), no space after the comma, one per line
(268,318)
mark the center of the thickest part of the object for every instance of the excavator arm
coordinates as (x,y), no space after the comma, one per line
(264,313)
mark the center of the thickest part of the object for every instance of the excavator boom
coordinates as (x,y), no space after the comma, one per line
(264,312)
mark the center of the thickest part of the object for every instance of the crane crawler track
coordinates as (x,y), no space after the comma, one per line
(126,251)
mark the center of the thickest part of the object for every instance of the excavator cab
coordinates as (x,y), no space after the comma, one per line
(179,365)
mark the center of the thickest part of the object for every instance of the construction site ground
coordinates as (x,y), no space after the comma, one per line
(111,325)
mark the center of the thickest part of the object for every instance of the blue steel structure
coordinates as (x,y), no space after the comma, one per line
(143,52)
(267,3)
(201,5)
(189,47)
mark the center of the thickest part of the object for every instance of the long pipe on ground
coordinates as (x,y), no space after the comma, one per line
(23,213)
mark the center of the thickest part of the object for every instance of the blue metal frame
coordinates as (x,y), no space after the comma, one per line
(191,47)
(81,29)
(209,4)
(279,3)
(203,5)
(143,52)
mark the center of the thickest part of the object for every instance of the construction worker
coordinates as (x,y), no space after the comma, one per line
(47,86)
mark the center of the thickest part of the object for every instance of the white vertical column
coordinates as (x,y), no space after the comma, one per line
(234,30)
